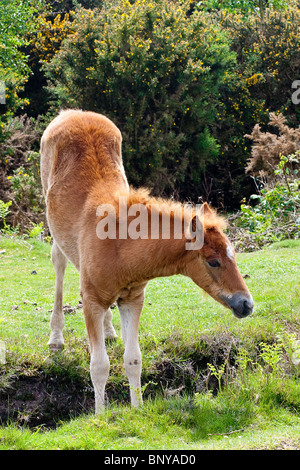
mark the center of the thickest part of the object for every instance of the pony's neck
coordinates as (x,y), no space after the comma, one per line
(157,257)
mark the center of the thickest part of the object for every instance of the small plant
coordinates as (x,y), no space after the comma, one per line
(4,211)
(243,360)
(272,355)
(269,149)
(36,230)
(291,346)
(140,391)
(218,373)
(287,167)
(26,184)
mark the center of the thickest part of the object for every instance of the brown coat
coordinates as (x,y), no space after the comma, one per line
(82,169)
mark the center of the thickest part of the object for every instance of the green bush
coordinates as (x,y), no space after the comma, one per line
(267,62)
(17,22)
(20,180)
(155,68)
(26,186)
(275,213)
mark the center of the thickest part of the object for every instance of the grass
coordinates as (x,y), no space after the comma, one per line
(182,331)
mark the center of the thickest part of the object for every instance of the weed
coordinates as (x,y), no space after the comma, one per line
(218,373)
(36,230)
(272,355)
(140,391)
(4,211)
(243,359)
(291,346)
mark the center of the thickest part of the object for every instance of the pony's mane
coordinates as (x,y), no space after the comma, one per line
(212,220)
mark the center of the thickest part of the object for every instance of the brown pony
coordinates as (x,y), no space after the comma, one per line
(84,181)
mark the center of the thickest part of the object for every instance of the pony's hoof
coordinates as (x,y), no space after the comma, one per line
(56,347)
(110,334)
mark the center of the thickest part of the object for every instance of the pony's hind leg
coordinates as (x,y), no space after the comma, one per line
(56,341)
(109,331)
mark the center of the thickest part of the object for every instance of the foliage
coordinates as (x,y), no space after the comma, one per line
(269,148)
(185,82)
(36,230)
(49,36)
(275,215)
(218,373)
(65,6)
(4,211)
(272,356)
(245,7)
(51,30)
(267,63)
(23,136)
(155,70)
(268,58)
(27,191)
(17,21)
(13,35)
(20,171)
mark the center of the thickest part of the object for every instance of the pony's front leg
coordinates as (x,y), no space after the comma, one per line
(94,316)
(130,311)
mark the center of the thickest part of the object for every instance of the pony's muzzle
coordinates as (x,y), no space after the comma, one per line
(240,304)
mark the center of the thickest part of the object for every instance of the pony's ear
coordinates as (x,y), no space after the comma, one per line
(207,210)
(211,219)
(196,227)
(195,234)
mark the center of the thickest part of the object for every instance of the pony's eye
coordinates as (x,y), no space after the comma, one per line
(214,263)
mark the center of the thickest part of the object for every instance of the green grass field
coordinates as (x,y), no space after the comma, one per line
(210,381)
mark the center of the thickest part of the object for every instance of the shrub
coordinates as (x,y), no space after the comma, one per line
(51,30)
(275,215)
(20,171)
(268,56)
(268,61)
(21,135)
(268,148)
(17,22)
(155,69)
(26,184)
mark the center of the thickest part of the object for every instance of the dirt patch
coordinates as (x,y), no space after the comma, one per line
(41,400)
(45,400)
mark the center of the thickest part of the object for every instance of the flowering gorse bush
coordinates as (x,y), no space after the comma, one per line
(268,61)
(155,69)
(186,82)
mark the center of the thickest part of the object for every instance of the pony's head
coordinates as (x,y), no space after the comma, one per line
(214,268)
